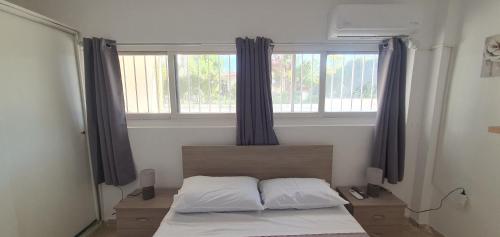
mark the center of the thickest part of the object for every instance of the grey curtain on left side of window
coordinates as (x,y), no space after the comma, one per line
(254,106)
(110,150)
(389,143)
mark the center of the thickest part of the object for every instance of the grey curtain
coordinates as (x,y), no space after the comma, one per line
(254,106)
(110,150)
(389,144)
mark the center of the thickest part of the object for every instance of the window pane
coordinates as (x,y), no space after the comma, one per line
(145,83)
(351,83)
(295,82)
(206,83)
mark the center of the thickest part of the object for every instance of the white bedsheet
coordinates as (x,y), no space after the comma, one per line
(263,223)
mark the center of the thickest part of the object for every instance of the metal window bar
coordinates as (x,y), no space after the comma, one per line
(229,83)
(342,85)
(158,83)
(198,93)
(311,85)
(352,79)
(189,83)
(220,84)
(147,84)
(372,85)
(209,81)
(135,81)
(124,82)
(362,81)
(166,84)
(301,81)
(282,81)
(332,84)
(292,88)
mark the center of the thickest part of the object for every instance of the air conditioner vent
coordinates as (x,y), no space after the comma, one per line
(373,20)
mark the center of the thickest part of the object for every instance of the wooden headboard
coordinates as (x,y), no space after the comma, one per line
(262,162)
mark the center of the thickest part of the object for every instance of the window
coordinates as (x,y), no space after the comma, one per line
(145,83)
(206,83)
(351,83)
(323,83)
(295,82)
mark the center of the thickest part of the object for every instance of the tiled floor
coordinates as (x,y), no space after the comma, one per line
(109,230)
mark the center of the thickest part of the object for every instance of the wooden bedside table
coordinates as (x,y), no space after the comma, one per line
(380,217)
(138,218)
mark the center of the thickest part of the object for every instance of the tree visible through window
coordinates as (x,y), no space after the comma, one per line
(295,82)
(206,83)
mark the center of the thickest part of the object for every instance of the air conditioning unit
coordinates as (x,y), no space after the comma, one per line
(373,20)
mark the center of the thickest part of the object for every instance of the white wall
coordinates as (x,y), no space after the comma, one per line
(158,146)
(469,155)
(191,20)
(8,218)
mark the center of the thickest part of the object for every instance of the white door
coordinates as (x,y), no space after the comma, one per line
(46,187)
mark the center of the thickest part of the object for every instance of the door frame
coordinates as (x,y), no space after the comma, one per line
(40,19)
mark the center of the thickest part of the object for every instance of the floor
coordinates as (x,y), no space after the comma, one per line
(109,230)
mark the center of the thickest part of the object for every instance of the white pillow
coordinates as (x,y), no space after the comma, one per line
(218,194)
(298,193)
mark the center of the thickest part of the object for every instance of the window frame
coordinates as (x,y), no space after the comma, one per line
(356,114)
(323,49)
(178,113)
(321,85)
(152,116)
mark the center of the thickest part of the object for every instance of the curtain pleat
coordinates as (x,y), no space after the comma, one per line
(254,107)
(389,143)
(110,151)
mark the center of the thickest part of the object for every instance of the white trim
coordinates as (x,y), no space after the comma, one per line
(322,82)
(350,114)
(172,83)
(215,116)
(230,121)
(204,116)
(148,116)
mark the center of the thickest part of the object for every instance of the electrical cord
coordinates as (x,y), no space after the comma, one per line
(134,194)
(440,203)
(121,190)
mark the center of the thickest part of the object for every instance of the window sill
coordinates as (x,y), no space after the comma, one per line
(229,120)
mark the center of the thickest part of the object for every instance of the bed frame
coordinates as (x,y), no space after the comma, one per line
(262,162)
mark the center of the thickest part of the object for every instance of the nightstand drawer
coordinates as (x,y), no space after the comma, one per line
(142,212)
(140,219)
(136,217)
(385,231)
(368,216)
(136,232)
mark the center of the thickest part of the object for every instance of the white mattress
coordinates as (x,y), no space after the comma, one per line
(265,223)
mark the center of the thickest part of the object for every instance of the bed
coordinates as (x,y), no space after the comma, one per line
(262,162)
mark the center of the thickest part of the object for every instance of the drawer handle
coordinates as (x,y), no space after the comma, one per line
(377,234)
(142,219)
(378,217)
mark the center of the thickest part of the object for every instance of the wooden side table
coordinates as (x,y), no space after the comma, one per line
(380,217)
(139,218)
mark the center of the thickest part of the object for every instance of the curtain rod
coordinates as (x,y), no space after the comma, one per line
(232,44)
(348,40)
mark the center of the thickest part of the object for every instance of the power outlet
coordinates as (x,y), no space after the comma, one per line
(461,199)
